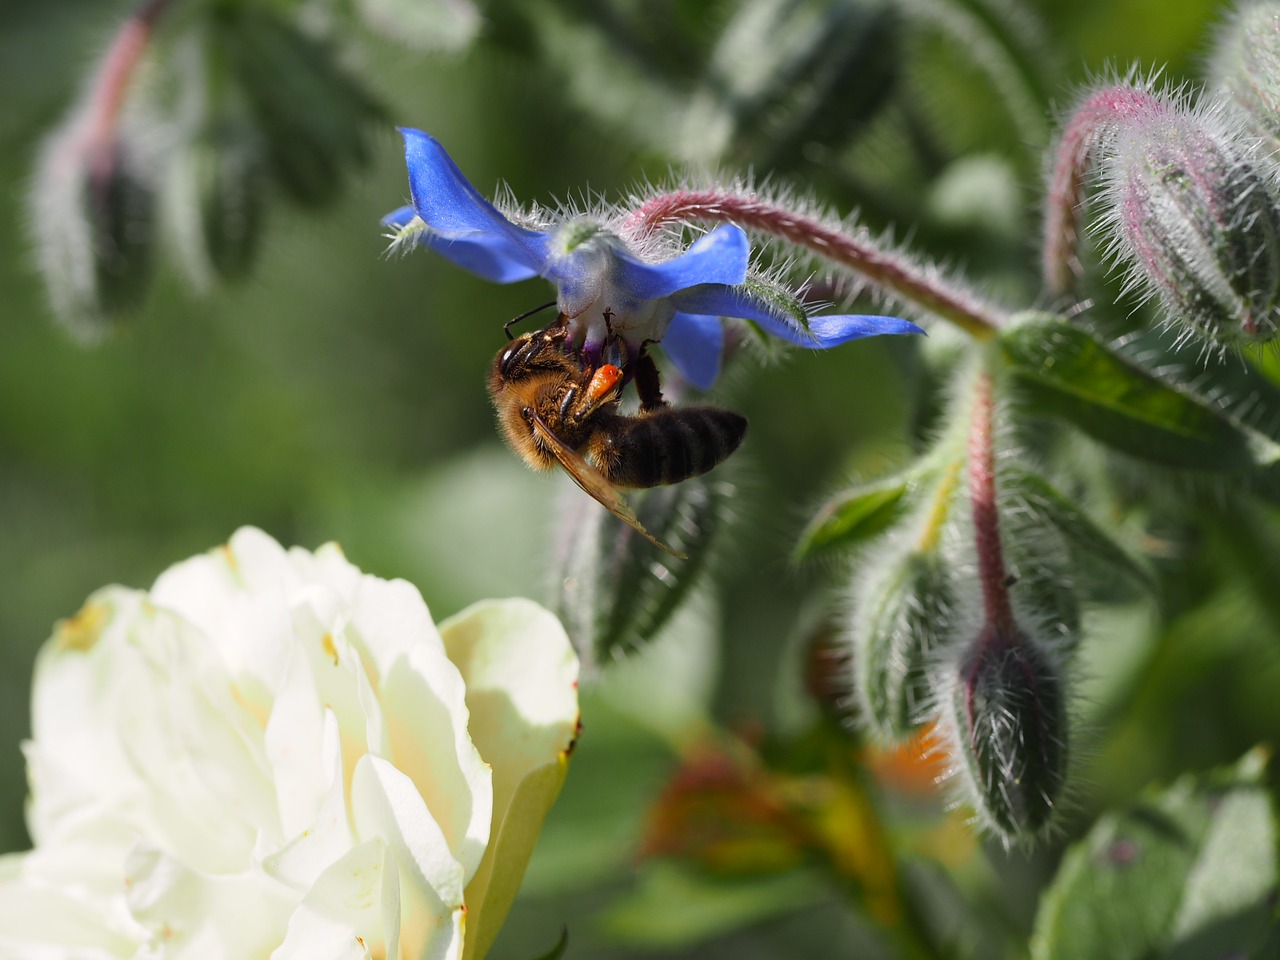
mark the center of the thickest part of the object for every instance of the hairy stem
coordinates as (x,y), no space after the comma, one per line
(111,84)
(886,269)
(986,518)
(1087,130)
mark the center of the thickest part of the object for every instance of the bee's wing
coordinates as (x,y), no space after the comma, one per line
(594,483)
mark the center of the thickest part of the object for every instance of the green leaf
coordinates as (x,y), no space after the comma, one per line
(593,51)
(904,611)
(430,26)
(1082,533)
(855,515)
(675,907)
(558,949)
(313,115)
(1188,873)
(1068,372)
(786,73)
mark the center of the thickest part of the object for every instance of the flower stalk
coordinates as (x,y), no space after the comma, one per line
(997,609)
(111,84)
(1093,122)
(885,269)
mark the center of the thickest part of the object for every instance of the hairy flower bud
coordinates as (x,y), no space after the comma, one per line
(92,219)
(217,200)
(1197,219)
(613,590)
(1006,719)
(903,615)
(1246,63)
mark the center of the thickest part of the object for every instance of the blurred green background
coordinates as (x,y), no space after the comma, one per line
(338,395)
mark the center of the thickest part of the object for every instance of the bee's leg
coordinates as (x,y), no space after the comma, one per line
(600,390)
(648,383)
(506,327)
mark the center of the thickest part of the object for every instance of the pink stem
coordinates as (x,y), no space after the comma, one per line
(1092,123)
(891,272)
(986,517)
(112,84)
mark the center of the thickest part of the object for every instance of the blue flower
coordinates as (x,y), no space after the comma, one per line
(603,284)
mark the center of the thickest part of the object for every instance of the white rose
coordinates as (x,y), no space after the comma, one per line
(272,754)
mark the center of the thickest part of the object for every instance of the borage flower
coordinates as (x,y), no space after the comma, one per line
(642,292)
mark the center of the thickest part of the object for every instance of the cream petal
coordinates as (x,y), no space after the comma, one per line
(49,922)
(75,756)
(198,750)
(199,915)
(293,741)
(342,684)
(87,853)
(325,839)
(425,707)
(522,691)
(240,594)
(386,804)
(329,566)
(390,618)
(340,918)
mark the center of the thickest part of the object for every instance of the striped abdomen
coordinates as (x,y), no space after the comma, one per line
(663,446)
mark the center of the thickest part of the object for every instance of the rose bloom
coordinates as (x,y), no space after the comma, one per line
(271,754)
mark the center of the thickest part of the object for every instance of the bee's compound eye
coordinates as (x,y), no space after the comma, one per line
(508,356)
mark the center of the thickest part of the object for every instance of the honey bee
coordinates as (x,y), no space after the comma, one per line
(557,408)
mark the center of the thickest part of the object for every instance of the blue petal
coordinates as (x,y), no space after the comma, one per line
(481,257)
(695,344)
(719,257)
(399,217)
(829,330)
(833,329)
(481,238)
(475,255)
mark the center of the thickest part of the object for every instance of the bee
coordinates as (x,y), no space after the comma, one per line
(557,408)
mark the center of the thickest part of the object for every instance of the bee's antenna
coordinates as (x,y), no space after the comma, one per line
(506,327)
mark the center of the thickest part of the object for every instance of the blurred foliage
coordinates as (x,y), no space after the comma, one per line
(334,394)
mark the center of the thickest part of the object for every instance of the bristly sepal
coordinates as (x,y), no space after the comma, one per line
(1004,720)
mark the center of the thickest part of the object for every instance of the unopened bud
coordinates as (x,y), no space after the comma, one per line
(218,197)
(92,210)
(613,589)
(1197,218)
(904,613)
(1040,587)
(1006,715)
(1246,64)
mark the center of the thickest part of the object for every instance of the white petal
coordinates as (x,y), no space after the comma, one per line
(328,837)
(195,747)
(294,740)
(424,702)
(521,677)
(342,684)
(386,804)
(75,757)
(522,690)
(328,566)
(54,920)
(200,915)
(87,852)
(389,618)
(340,918)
